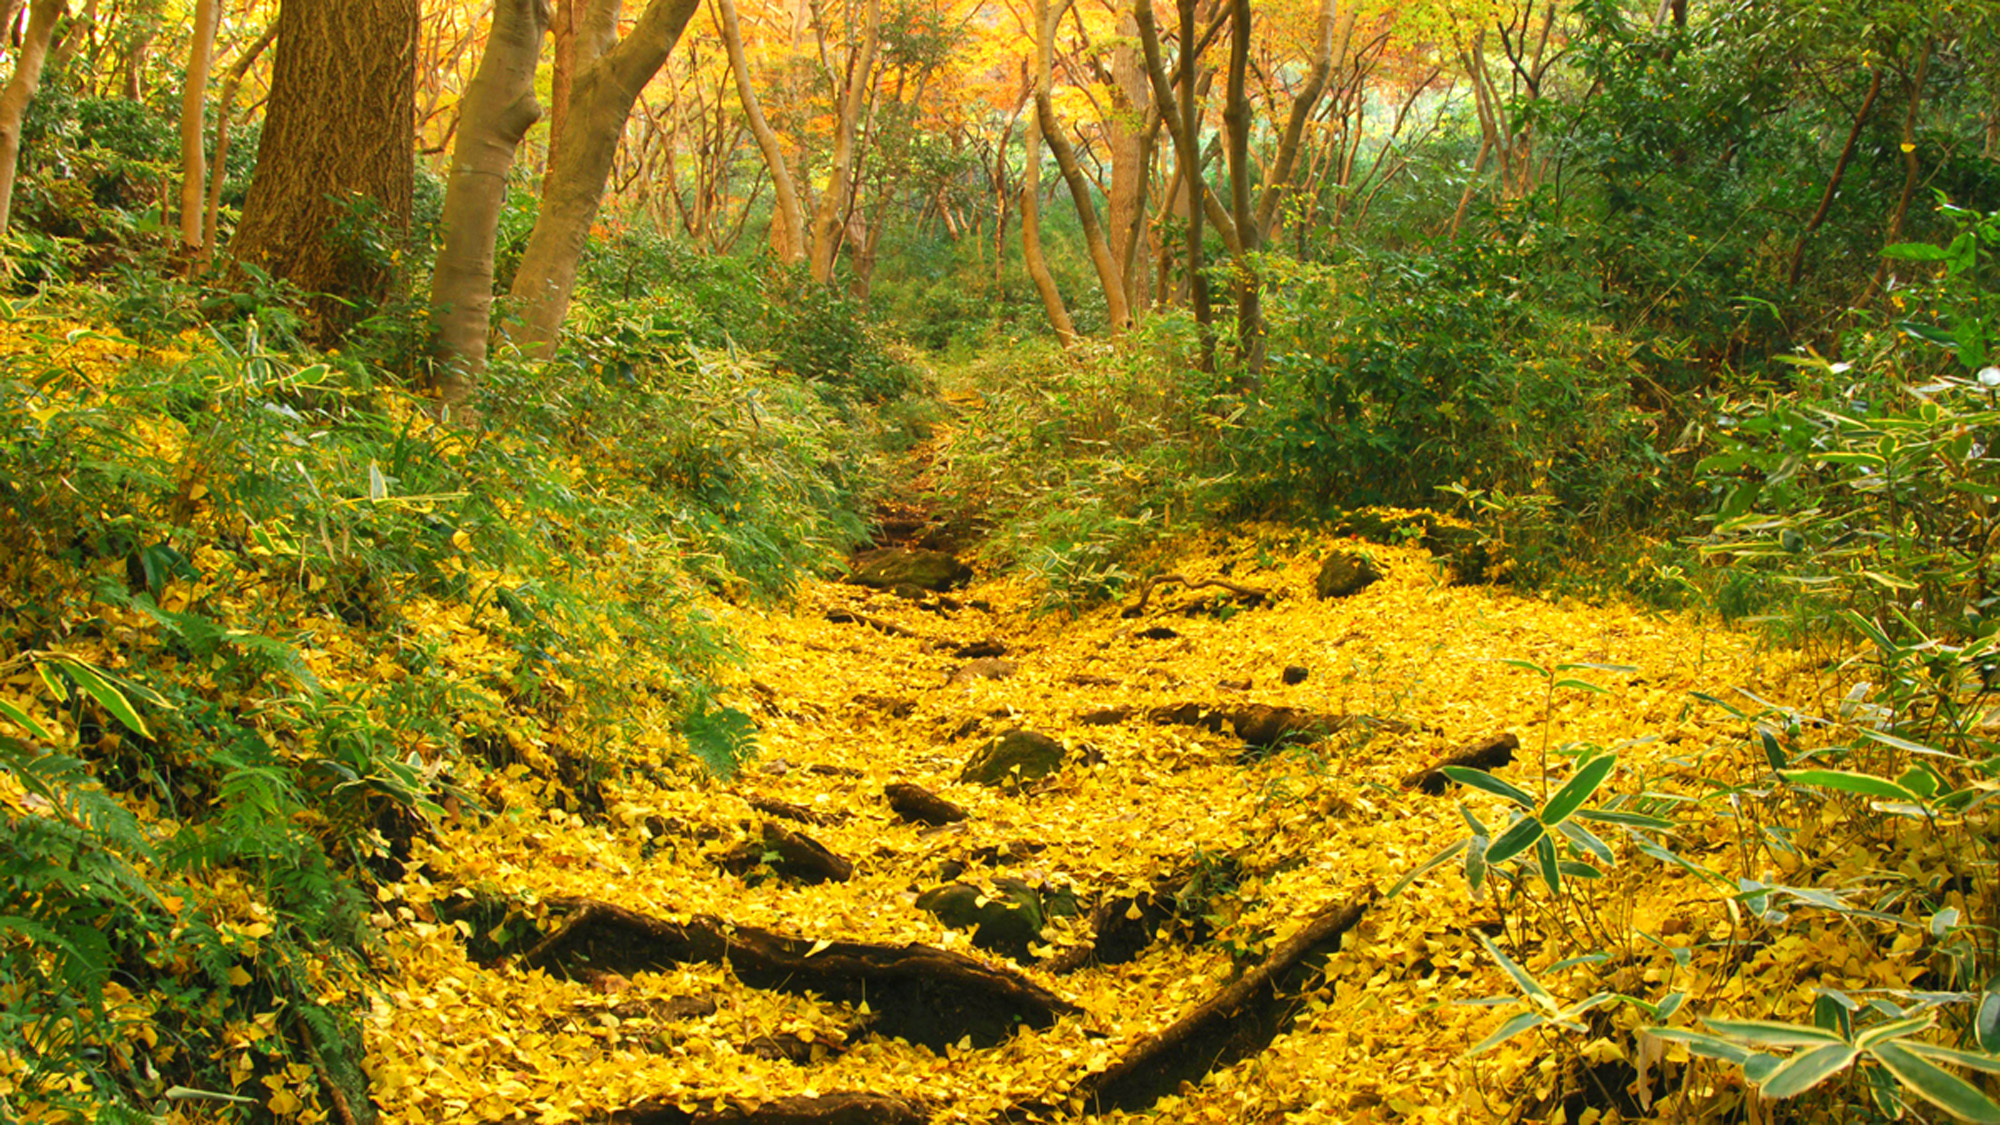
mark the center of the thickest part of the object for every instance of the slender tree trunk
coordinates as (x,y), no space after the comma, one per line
(601,98)
(499,108)
(10,10)
(1471,183)
(1236,116)
(1108,275)
(1031,179)
(194,100)
(20,91)
(225,105)
(1833,181)
(827,220)
(1303,107)
(340,130)
(1197,186)
(1912,166)
(565,26)
(1133,125)
(789,217)
(135,66)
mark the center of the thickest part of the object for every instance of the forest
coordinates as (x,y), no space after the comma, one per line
(836,562)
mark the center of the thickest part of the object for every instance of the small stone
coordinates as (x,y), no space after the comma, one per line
(892,567)
(1014,758)
(1296,674)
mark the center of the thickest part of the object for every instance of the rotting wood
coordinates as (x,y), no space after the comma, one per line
(1486,754)
(1236,1023)
(925,995)
(918,805)
(1256,596)
(826,1109)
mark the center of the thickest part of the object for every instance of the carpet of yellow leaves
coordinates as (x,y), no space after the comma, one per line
(1381,1040)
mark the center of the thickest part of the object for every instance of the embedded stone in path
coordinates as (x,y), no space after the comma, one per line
(1014,758)
(891,567)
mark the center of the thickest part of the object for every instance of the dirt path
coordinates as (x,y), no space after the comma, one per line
(1213,945)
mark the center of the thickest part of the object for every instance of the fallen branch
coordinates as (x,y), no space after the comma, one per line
(1488,754)
(924,995)
(1236,1023)
(1255,595)
(825,1109)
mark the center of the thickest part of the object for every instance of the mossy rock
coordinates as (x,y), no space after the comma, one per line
(1345,573)
(1014,758)
(1457,545)
(908,568)
(1004,922)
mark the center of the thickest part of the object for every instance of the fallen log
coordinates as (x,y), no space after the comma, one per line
(1486,754)
(1236,1023)
(924,995)
(918,805)
(826,1109)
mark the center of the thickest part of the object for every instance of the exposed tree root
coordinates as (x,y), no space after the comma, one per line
(1236,1023)
(1262,725)
(1254,595)
(1486,754)
(827,1109)
(918,805)
(790,811)
(793,855)
(918,993)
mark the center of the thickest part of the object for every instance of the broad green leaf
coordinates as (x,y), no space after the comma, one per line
(1583,685)
(1918,780)
(1943,921)
(1895,1029)
(1472,822)
(1941,1088)
(1688,865)
(1621,669)
(16,715)
(1986,1064)
(1773,753)
(1671,1003)
(1578,789)
(1545,857)
(1807,1069)
(1703,1044)
(1916,252)
(1587,840)
(1626,819)
(1577,869)
(1847,781)
(1475,863)
(107,697)
(1480,779)
(55,683)
(378,486)
(1529,986)
(1527,666)
(1434,862)
(1515,1025)
(1770,1033)
(1514,841)
(1986,1022)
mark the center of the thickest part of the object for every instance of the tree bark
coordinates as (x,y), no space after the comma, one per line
(499,109)
(1031,180)
(1912,166)
(340,130)
(20,91)
(827,220)
(194,100)
(1833,180)
(1132,128)
(1179,113)
(1108,275)
(1302,110)
(789,217)
(225,105)
(1236,116)
(601,97)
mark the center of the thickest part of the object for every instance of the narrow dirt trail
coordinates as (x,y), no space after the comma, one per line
(1213,945)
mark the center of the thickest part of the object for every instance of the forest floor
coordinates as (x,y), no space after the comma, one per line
(589,983)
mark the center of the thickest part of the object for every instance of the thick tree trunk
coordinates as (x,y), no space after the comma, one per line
(194,100)
(20,91)
(788,221)
(1031,181)
(225,113)
(601,97)
(499,109)
(1132,128)
(827,220)
(339,144)
(563,26)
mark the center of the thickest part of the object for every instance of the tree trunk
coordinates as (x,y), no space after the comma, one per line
(225,105)
(1031,180)
(789,233)
(135,65)
(1133,125)
(194,99)
(1912,166)
(1833,181)
(340,131)
(20,91)
(499,108)
(1236,116)
(1108,275)
(564,25)
(601,97)
(1275,190)
(827,220)
(1179,113)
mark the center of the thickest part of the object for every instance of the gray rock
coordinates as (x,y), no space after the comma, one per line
(1014,758)
(893,567)
(1344,573)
